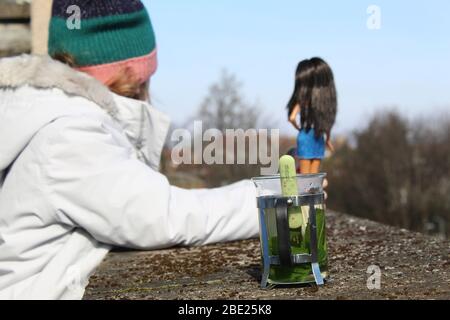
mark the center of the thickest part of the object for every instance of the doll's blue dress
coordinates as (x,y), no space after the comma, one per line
(309,146)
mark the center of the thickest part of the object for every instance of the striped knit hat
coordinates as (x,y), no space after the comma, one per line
(114,35)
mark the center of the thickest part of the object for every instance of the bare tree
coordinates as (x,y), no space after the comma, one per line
(224,106)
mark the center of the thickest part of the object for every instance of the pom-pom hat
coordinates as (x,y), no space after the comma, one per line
(113,35)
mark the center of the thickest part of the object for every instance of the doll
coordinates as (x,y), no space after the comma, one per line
(314,100)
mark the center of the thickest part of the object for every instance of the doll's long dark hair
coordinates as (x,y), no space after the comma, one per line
(315,92)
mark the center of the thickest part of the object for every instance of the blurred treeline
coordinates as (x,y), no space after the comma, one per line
(395,171)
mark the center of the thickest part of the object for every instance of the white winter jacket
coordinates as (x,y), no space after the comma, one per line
(78,175)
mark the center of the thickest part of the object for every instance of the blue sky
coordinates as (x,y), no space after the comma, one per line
(405,64)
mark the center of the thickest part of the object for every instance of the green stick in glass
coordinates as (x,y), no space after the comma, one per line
(289,187)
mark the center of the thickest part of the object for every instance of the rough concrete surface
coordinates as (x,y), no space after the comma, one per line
(413,266)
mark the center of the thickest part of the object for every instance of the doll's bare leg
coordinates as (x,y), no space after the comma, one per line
(305,166)
(315,166)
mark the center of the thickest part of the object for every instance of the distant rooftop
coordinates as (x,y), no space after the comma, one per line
(14,10)
(15,33)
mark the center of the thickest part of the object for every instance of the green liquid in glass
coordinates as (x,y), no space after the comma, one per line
(299,245)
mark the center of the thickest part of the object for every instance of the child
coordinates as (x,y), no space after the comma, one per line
(80,150)
(314,99)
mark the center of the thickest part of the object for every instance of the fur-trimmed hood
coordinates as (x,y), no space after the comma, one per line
(36,90)
(45,73)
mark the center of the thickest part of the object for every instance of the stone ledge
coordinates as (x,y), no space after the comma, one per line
(413,266)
